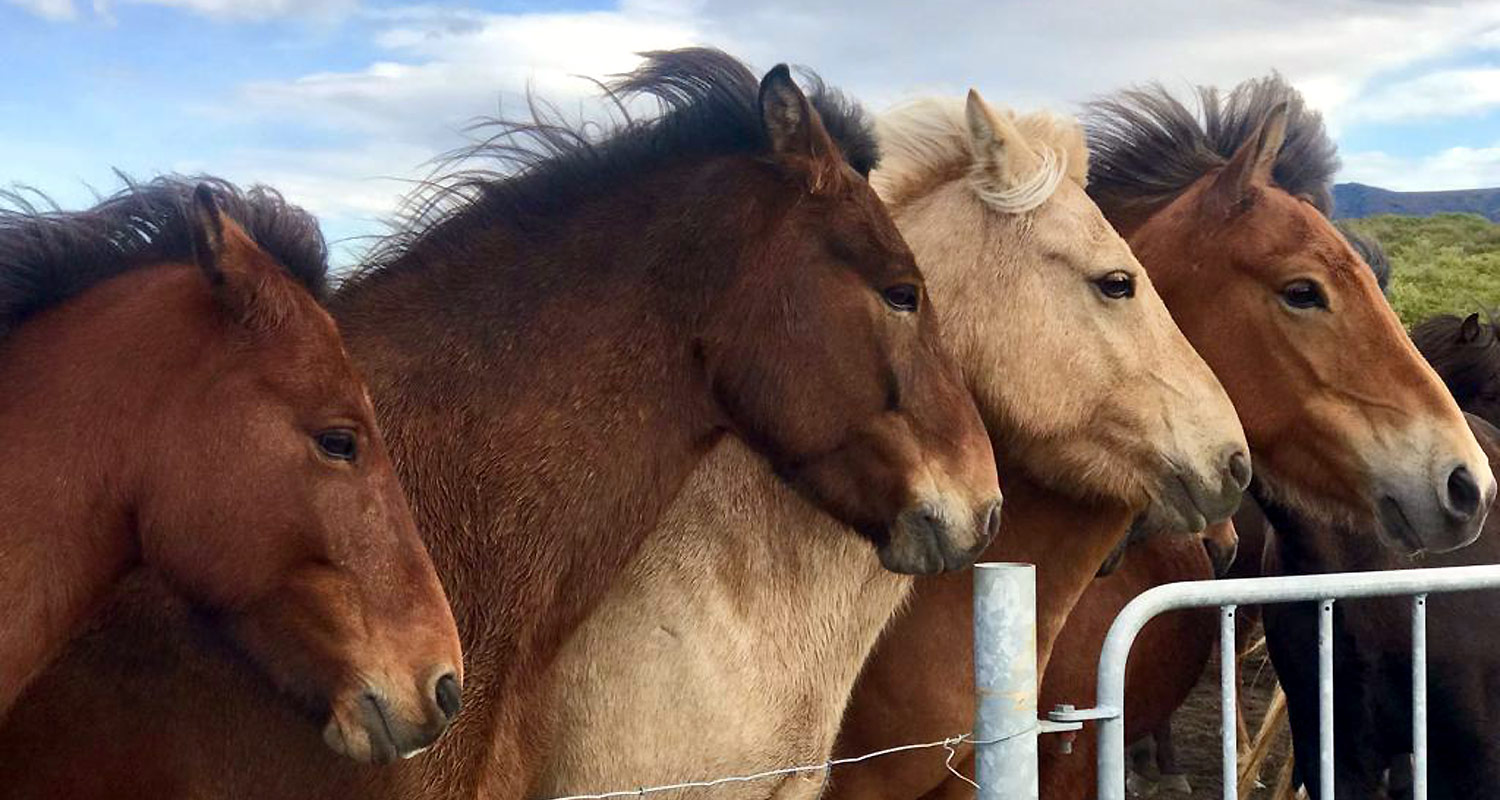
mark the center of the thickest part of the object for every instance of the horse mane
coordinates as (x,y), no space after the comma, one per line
(48,255)
(926,141)
(1148,147)
(1368,249)
(541,167)
(1467,367)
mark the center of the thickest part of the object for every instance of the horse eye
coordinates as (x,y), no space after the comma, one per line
(1117,285)
(902,297)
(1304,294)
(339,444)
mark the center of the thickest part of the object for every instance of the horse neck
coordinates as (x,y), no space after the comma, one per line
(1066,538)
(81,384)
(544,410)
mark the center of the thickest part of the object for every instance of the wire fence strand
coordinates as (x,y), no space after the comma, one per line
(825,767)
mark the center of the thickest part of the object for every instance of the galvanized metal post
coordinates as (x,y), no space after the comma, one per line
(1005,725)
(1325,699)
(1229,732)
(1419,697)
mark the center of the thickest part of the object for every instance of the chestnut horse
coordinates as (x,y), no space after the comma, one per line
(552,354)
(733,643)
(1372,646)
(1343,417)
(175,398)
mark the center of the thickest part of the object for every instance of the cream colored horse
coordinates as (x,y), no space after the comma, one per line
(731,644)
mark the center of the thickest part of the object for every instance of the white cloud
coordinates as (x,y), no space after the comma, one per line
(448,67)
(1453,168)
(60,10)
(247,10)
(438,67)
(1445,93)
(258,9)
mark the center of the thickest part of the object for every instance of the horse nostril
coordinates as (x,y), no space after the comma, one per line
(1239,469)
(992,522)
(449,698)
(1463,493)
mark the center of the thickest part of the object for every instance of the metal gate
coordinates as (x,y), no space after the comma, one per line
(1006,725)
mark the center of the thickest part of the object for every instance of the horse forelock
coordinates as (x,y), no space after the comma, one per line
(925,142)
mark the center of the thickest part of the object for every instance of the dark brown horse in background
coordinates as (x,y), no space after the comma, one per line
(1372,646)
(174,397)
(551,354)
(1344,418)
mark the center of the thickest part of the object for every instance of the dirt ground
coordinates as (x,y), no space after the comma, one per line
(1196,733)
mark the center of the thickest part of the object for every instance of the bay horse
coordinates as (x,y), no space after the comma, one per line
(1372,646)
(1343,417)
(1165,675)
(176,399)
(733,641)
(554,346)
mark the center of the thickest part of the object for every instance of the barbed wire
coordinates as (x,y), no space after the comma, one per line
(825,767)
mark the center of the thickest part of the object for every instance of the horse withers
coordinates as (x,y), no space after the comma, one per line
(175,398)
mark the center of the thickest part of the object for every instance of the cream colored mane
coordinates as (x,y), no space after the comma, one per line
(926,141)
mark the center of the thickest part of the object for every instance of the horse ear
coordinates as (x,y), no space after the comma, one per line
(234,265)
(207,233)
(1470,329)
(1255,159)
(1001,158)
(794,129)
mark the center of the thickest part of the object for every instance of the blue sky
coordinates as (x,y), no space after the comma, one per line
(340,102)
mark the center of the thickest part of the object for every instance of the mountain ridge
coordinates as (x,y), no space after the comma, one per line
(1355,200)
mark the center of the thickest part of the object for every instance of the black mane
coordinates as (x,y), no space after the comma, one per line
(1146,147)
(540,167)
(48,256)
(1370,250)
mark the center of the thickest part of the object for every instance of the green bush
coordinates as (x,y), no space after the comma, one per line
(1443,264)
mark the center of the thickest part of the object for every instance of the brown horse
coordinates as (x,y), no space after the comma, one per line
(1344,418)
(176,398)
(733,643)
(552,354)
(1372,647)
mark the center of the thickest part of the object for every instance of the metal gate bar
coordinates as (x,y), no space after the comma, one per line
(1227,595)
(1325,698)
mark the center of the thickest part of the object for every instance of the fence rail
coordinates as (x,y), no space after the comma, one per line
(1009,779)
